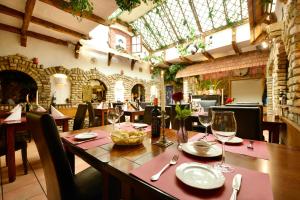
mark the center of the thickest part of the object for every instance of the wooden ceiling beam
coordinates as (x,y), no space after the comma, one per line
(185,60)
(59,4)
(17,14)
(26,20)
(208,55)
(39,36)
(233,43)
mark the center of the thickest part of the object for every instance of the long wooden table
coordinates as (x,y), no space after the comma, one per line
(11,128)
(133,113)
(283,166)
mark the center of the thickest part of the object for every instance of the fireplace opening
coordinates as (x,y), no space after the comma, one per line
(14,87)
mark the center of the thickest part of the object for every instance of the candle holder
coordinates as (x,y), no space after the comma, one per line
(163,141)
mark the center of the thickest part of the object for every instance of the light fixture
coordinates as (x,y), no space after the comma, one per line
(264,45)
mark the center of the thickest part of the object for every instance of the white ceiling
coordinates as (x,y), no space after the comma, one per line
(102,8)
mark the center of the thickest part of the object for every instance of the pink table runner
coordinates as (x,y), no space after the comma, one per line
(255,185)
(260,148)
(102,138)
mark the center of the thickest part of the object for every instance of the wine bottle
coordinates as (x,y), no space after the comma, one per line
(155,122)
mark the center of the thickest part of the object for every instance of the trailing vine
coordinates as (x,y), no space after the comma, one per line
(81,7)
(170,74)
(128,5)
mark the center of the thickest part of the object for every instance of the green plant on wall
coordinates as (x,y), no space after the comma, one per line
(210,84)
(170,74)
(81,7)
(128,5)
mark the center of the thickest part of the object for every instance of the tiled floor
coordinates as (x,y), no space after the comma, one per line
(31,186)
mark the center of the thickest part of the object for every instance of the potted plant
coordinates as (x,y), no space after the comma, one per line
(181,114)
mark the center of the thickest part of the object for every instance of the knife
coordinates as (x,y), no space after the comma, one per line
(236,184)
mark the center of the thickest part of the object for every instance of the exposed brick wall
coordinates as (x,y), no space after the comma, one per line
(77,77)
(245,60)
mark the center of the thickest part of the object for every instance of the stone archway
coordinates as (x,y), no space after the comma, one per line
(22,64)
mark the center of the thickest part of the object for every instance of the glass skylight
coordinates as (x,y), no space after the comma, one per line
(174,20)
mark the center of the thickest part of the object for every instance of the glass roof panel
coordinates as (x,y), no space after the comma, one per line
(158,27)
(189,16)
(203,14)
(217,13)
(173,20)
(181,25)
(147,35)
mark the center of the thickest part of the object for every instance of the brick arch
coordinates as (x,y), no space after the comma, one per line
(57,70)
(96,75)
(36,72)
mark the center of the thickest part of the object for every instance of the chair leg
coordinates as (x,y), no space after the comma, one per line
(24,159)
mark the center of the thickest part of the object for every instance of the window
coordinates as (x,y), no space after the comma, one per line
(136,44)
(119,91)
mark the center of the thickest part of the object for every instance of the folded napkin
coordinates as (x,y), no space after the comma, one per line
(55,112)
(15,115)
(15,108)
(100,106)
(40,109)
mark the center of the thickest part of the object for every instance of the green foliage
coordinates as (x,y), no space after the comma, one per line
(128,5)
(182,114)
(170,73)
(210,84)
(83,7)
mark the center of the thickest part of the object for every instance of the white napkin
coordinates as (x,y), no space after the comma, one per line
(15,108)
(40,109)
(15,116)
(100,106)
(56,113)
(140,108)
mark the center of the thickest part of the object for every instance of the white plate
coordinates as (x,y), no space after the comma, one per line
(85,136)
(198,148)
(137,125)
(235,140)
(200,176)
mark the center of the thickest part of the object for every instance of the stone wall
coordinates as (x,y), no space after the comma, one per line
(286,47)
(77,77)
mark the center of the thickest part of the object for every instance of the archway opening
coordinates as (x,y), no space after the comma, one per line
(98,89)
(15,86)
(138,92)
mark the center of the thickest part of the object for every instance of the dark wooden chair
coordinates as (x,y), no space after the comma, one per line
(20,144)
(80,117)
(148,115)
(93,119)
(175,122)
(61,183)
(248,119)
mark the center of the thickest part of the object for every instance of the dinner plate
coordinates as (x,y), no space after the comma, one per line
(235,140)
(140,125)
(200,176)
(202,149)
(85,136)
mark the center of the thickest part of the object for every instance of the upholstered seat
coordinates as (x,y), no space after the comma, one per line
(93,119)
(248,119)
(80,117)
(61,183)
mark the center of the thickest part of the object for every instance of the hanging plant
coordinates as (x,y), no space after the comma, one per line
(128,5)
(81,7)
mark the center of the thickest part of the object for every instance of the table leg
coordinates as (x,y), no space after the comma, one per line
(275,135)
(102,118)
(132,116)
(11,163)
(65,125)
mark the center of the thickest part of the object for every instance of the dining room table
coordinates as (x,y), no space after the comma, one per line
(11,127)
(133,114)
(270,171)
(101,112)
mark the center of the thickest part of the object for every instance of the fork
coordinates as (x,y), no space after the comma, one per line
(250,145)
(173,161)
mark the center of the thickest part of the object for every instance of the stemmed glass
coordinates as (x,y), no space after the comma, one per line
(205,118)
(120,113)
(224,128)
(112,116)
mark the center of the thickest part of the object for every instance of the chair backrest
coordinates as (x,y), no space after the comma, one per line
(248,119)
(58,174)
(80,117)
(91,114)
(260,106)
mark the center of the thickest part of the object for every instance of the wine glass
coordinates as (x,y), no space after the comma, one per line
(112,116)
(120,113)
(205,118)
(224,128)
